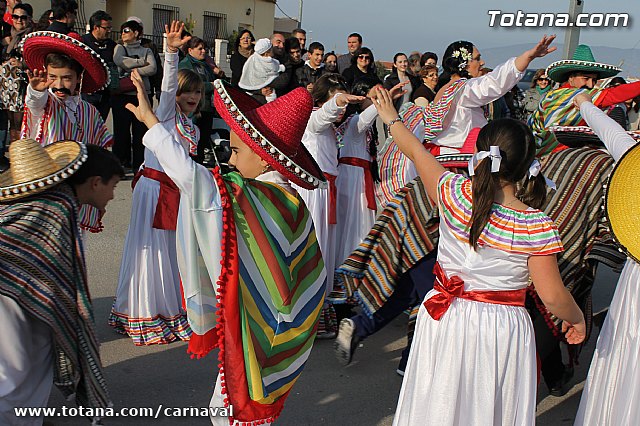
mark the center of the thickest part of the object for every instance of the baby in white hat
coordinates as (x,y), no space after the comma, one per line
(260,69)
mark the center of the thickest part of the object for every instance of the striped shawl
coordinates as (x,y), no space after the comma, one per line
(42,268)
(271,291)
(580,175)
(404,232)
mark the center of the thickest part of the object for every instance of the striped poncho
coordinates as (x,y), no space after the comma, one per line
(73,119)
(42,268)
(556,109)
(270,291)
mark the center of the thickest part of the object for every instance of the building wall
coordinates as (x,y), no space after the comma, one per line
(260,20)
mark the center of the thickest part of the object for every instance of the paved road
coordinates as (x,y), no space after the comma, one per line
(365,393)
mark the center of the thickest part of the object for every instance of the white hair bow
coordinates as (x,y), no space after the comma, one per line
(534,171)
(493,153)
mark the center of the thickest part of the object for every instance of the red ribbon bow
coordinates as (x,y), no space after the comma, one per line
(166,214)
(448,288)
(452,287)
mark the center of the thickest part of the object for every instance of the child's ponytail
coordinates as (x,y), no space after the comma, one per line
(485,185)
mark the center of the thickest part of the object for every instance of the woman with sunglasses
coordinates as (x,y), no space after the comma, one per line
(540,86)
(128,133)
(12,70)
(362,66)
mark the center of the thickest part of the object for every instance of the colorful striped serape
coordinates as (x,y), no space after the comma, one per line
(556,109)
(271,291)
(42,268)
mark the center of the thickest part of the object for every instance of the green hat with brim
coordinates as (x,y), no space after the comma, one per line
(583,61)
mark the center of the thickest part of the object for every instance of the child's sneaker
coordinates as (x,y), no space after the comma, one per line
(346,342)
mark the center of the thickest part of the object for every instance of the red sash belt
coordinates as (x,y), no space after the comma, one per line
(449,288)
(166,215)
(369,189)
(333,196)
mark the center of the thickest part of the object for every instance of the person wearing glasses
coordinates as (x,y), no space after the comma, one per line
(242,50)
(13,71)
(64,17)
(98,39)
(540,86)
(128,133)
(362,66)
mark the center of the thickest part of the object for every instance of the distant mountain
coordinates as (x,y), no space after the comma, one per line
(608,55)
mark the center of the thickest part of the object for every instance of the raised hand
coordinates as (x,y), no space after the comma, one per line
(538,51)
(345,98)
(581,98)
(143,111)
(398,90)
(38,80)
(175,40)
(542,48)
(384,105)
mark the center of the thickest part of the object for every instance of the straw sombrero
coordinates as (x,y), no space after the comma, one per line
(622,203)
(273,131)
(582,60)
(37,45)
(34,168)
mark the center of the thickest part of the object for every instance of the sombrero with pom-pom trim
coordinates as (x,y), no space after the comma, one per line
(273,131)
(37,45)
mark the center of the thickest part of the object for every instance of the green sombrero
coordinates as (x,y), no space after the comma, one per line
(583,60)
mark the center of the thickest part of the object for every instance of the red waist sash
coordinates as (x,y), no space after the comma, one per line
(333,196)
(166,215)
(369,189)
(452,287)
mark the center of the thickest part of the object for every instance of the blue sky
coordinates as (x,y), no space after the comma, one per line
(406,25)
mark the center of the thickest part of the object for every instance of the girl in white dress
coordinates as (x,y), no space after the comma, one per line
(610,395)
(331,99)
(357,172)
(473,356)
(148,304)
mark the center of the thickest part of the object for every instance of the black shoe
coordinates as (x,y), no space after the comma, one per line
(402,366)
(560,388)
(4,163)
(346,342)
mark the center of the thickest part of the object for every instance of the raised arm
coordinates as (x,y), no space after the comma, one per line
(366,118)
(426,164)
(487,88)
(614,137)
(36,99)
(322,118)
(167,106)
(173,158)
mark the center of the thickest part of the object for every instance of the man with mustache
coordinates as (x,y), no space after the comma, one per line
(54,110)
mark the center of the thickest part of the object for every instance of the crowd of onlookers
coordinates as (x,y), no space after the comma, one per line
(279,65)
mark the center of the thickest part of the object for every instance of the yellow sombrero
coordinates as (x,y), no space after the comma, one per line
(622,203)
(34,168)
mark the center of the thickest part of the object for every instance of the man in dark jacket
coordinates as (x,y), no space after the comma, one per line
(313,67)
(98,39)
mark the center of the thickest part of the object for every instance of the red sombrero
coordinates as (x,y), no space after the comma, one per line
(273,131)
(37,45)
